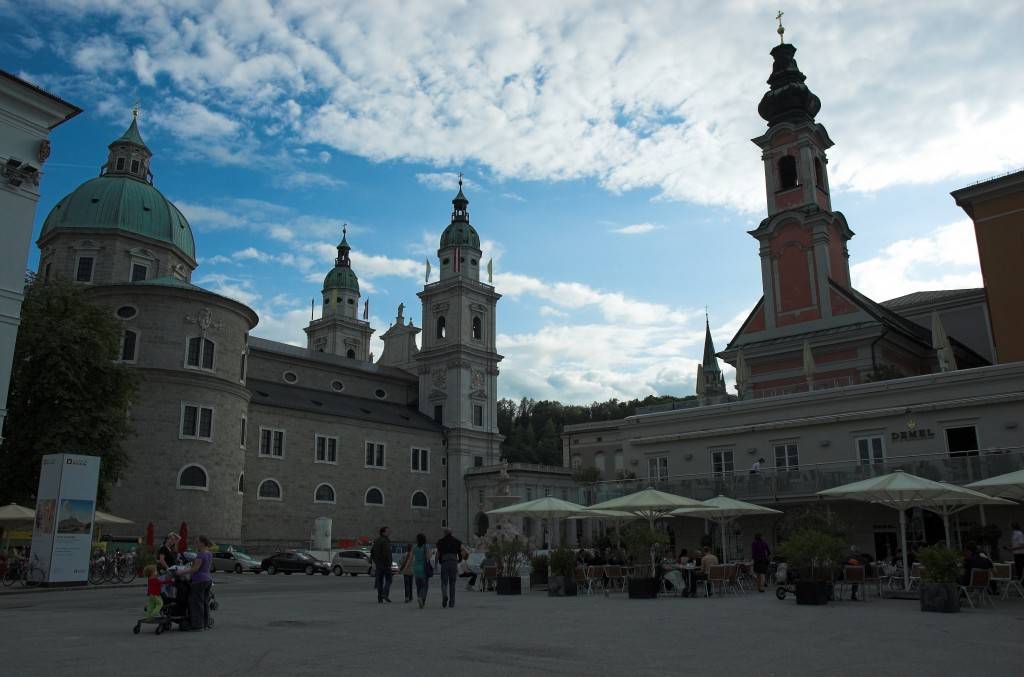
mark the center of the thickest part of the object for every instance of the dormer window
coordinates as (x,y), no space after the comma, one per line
(120,164)
(135,166)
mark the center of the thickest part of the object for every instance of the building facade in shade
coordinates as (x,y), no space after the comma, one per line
(250,440)
(27,116)
(996,207)
(831,387)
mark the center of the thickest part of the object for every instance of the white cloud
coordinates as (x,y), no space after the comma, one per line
(637,229)
(946,258)
(514,196)
(445,181)
(192,120)
(548,311)
(251,254)
(241,290)
(303,179)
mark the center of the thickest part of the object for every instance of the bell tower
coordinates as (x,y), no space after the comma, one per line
(803,241)
(339,330)
(458,360)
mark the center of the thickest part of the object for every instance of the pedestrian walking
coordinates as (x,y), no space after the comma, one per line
(405,568)
(380,553)
(760,554)
(449,549)
(421,568)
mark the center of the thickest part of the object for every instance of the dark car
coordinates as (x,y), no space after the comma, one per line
(233,561)
(290,562)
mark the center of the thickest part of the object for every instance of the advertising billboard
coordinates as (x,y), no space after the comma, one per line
(65,512)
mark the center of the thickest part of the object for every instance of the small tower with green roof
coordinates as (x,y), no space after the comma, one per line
(339,330)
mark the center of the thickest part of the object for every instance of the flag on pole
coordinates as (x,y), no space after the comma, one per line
(426,278)
(456,263)
(366,309)
(490,271)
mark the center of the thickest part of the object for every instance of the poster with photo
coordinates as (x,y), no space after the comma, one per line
(65,515)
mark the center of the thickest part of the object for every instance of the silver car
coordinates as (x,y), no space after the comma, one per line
(352,562)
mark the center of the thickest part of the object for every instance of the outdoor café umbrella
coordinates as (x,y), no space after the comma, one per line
(105,519)
(613,515)
(548,508)
(650,504)
(12,515)
(900,491)
(959,499)
(722,510)
(1010,485)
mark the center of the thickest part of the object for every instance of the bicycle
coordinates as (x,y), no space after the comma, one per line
(29,574)
(99,570)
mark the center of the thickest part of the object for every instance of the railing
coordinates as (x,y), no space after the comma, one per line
(527,467)
(825,384)
(771,485)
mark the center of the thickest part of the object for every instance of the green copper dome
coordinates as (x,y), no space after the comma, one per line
(341,277)
(122,203)
(460,234)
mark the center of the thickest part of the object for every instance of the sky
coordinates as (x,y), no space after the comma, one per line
(606,149)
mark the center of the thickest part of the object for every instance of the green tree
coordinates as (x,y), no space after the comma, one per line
(67,393)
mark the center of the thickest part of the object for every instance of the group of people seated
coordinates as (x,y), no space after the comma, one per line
(685,572)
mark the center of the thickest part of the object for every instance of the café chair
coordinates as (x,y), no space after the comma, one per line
(978,585)
(1003,573)
(852,575)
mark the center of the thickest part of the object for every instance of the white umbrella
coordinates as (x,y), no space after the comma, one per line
(941,345)
(549,508)
(900,491)
(959,499)
(107,518)
(722,510)
(649,504)
(1010,485)
(12,513)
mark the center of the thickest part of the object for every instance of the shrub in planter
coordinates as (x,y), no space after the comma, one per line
(813,554)
(640,540)
(511,554)
(562,579)
(539,570)
(939,590)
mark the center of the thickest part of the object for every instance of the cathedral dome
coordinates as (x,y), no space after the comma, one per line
(341,277)
(460,234)
(122,203)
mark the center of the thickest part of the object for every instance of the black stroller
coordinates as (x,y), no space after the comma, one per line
(175,609)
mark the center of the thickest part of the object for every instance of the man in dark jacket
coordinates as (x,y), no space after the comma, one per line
(448,552)
(380,553)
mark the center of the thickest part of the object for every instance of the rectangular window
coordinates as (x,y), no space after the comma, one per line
(139,272)
(83,271)
(128,341)
(478,415)
(200,353)
(721,461)
(46,273)
(271,443)
(420,460)
(619,461)
(196,422)
(870,450)
(962,441)
(565,494)
(657,468)
(374,455)
(119,164)
(326,449)
(478,461)
(547,492)
(241,370)
(529,493)
(438,414)
(787,456)
(480,496)
(135,166)
(241,434)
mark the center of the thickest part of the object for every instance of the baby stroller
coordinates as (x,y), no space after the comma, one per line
(786,583)
(175,609)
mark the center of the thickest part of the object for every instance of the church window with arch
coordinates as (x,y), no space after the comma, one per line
(374,496)
(324,494)
(269,490)
(419,500)
(192,477)
(441,329)
(787,173)
(819,174)
(478,330)
(129,345)
(199,353)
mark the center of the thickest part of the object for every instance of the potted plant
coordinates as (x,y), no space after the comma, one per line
(562,581)
(813,554)
(640,539)
(511,555)
(939,590)
(538,571)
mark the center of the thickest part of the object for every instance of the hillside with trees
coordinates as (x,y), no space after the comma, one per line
(532,429)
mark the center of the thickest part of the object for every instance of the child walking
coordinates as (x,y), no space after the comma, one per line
(154,603)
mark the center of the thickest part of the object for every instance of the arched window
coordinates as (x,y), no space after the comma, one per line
(241,483)
(478,331)
(419,499)
(440,327)
(374,496)
(270,490)
(324,494)
(819,174)
(128,343)
(351,354)
(192,477)
(787,172)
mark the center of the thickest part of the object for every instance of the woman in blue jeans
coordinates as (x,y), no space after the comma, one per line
(420,564)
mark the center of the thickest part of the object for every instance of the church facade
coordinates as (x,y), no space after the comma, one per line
(250,440)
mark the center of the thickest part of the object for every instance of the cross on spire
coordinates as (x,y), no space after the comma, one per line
(136,109)
(460,180)
(780,30)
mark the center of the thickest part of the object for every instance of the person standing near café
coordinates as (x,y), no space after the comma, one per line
(405,568)
(199,589)
(1017,549)
(449,550)
(167,556)
(760,553)
(380,553)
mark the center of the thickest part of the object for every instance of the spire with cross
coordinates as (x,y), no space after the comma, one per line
(780,30)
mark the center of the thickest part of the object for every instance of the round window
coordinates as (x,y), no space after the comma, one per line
(290,377)
(337,386)
(379,392)
(351,302)
(126,312)
(444,262)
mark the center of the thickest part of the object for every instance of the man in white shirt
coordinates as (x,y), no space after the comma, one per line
(1017,548)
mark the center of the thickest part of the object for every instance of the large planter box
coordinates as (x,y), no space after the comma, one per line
(813,592)
(539,579)
(510,585)
(643,588)
(940,597)
(561,586)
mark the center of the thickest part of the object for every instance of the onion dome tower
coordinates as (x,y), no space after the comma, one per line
(339,330)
